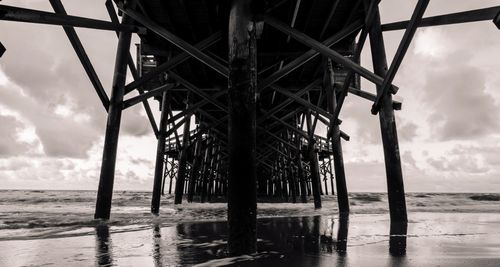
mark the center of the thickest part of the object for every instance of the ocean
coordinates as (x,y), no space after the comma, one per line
(57,228)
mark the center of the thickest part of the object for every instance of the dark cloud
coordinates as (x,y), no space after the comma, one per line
(367,126)
(461,107)
(463,164)
(49,75)
(407,132)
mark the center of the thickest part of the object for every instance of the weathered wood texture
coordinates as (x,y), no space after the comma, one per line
(242,196)
(395,185)
(107,177)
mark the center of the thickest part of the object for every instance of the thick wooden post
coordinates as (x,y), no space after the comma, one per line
(242,195)
(331,174)
(291,173)
(338,157)
(395,186)
(106,180)
(182,169)
(204,171)
(300,172)
(194,169)
(313,164)
(160,156)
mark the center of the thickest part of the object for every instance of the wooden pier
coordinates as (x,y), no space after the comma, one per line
(242,86)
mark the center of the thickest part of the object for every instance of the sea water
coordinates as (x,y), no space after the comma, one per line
(40,214)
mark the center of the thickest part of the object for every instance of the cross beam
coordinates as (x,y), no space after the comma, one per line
(401,52)
(171,63)
(175,40)
(310,55)
(325,50)
(82,55)
(11,13)
(448,19)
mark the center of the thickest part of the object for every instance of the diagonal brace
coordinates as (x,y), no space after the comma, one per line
(400,53)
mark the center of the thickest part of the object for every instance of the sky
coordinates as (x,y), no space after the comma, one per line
(52,122)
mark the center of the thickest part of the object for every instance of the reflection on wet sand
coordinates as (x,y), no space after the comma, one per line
(280,240)
(341,247)
(310,241)
(397,241)
(104,255)
(157,255)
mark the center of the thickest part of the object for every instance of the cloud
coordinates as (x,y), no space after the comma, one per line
(407,132)
(9,141)
(462,107)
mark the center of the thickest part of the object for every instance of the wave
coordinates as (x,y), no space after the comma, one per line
(485,197)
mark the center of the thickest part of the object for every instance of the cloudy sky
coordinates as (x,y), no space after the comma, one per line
(52,123)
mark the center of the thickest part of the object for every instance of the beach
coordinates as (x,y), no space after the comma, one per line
(443,230)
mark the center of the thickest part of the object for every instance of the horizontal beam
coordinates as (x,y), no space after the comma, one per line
(175,40)
(11,13)
(448,19)
(325,50)
(302,101)
(212,39)
(371,97)
(144,96)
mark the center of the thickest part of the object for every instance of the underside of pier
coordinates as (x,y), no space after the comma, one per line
(250,94)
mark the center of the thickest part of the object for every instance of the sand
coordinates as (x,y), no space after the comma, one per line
(434,239)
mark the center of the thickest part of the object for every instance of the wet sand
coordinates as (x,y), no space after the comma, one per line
(434,239)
